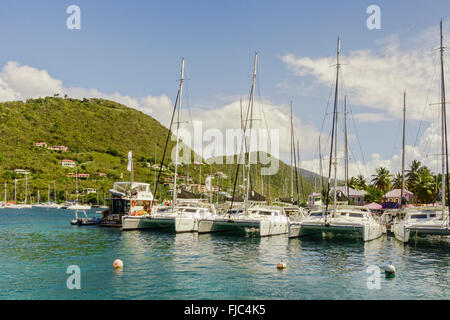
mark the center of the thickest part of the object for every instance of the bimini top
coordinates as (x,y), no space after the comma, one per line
(137,190)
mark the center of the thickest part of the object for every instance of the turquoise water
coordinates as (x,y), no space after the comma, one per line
(37,246)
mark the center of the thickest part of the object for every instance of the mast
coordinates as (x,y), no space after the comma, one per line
(5,193)
(26,188)
(15,190)
(301,174)
(292,168)
(178,133)
(320,167)
(48,193)
(347,189)
(403,151)
(76,181)
(54,190)
(333,135)
(154,171)
(336,97)
(252,95)
(38,198)
(242,128)
(444,130)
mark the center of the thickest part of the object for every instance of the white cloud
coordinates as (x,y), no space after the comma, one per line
(377,78)
(266,115)
(21,82)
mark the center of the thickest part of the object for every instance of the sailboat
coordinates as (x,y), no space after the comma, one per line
(4,203)
(389,215)
(352,221)
(23,205)
(180,217)
(49,204)
(263,220)
(419,222)
(77,206)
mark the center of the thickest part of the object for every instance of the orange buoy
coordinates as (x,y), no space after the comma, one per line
(118,264)
(281,266)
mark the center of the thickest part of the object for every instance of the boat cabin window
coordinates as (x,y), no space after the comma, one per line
(190,210)
(419,216)
(433,215)
(316,214)
(355,215)
(120,206)
(292,213)
(264,213)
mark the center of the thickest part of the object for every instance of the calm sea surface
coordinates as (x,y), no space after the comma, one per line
(37,245)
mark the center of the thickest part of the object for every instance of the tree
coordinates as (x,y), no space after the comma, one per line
(373,195)
(382,179)
(397,181)
(352,183)
(412,173)
(424,185)
(361,182)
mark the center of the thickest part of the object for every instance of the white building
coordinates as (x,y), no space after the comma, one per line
(68,163)
(21,171)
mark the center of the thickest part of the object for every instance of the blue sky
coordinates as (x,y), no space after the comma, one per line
(134,47)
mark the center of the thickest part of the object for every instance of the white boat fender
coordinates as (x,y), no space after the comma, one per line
(389,269)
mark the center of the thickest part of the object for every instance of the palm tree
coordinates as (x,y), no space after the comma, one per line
(361,182)
(382,180)
(353,183)
(411,174)
(424,185)
(397,181)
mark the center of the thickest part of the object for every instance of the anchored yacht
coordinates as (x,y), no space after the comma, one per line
(353,221)
(184,217)
(419,222)
(127,198)
(263,220)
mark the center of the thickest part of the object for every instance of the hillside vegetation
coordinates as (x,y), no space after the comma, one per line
(98,134)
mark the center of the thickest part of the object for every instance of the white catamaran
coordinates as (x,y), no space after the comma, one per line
(180,217)
(263,220)
(430,220)
(353,221)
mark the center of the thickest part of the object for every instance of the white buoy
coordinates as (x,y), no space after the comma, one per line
(118,264)
(389,269)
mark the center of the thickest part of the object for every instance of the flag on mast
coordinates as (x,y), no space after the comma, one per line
(208,183)
(130,161)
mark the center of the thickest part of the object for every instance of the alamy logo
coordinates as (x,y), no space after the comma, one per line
(374,20)
(74,20)
(374,278)
(74,281)
(212,144)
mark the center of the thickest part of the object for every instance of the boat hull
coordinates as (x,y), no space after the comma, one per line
(147,222)
(362,231)
(294,230)
(404,233)
(263,228)
(177,224)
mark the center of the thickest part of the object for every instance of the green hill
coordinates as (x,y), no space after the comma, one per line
(98,135)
